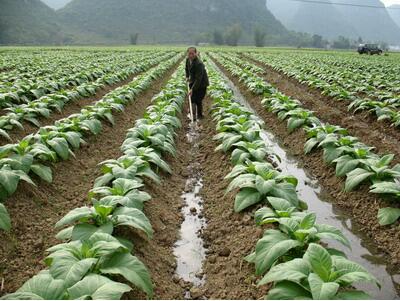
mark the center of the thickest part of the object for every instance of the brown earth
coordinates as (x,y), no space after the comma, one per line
(164,212)
(35,210)
(361,205)
(72,107)
(229,236)
(363,125)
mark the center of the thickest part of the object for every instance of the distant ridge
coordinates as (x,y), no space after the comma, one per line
(331,20)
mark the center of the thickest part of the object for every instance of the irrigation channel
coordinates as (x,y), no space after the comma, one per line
(190,251)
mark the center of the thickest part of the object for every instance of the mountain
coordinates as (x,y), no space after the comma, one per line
(322,19)
(332,20)
(56,4)
(283,10)
(28,22)
(161,21)
(373,24)
(394,12)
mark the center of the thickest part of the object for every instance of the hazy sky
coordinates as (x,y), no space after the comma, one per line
(390,2)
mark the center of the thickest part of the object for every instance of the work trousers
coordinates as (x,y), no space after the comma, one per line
(197,102)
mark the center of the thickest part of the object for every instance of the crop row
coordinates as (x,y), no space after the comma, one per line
(33,66)
(55,66)
(92,257)
(375,78)
(351,158)
(25,90)
(56,101)
(385,105)
(57,142)
(289,255)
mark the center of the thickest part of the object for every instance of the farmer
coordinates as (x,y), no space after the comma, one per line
(197,77)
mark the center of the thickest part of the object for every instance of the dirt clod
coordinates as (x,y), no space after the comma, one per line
(225,252)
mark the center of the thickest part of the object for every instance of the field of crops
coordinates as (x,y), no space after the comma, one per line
(288,188)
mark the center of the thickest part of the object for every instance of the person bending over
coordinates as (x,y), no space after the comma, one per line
(196,75)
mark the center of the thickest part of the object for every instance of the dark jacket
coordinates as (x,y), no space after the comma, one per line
(197,74)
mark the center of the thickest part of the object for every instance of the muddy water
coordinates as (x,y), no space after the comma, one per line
(363,250)
(189,250)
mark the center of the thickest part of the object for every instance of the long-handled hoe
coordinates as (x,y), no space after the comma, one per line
(190,106)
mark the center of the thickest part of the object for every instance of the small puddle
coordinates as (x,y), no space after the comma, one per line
(363,250)
(189,249)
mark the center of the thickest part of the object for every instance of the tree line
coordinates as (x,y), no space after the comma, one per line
(232,34)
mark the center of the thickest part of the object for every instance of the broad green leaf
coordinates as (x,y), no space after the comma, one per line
(350,271)
(330,232)
(130,268)
(263,214)
(263,186)
(275,252)
(106,247)
(388,216)
(246,198)
(310,144)
(236,171)
(5,221)
(103,180)
(242,181)
(356,177)
(132,200)
(65,234)
(286,191)
(9,180)
(321,290)
(147,172)
(4,134)
(97,287)
(354,277)
(74,139)
(294,123)
(345,164)
(74,215)
(385,160)
(228,143)
(21,296)
(286,290)
(331,153)
(44,286)
(93,125)
(44,172)
(126,185)
(386,187)
(71,269)
(280,204)
(294,270)
(308,221)
(60,146)
(320,261)
(84,231)
(353,295)
(335,252)
(264,255)
(133,217)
